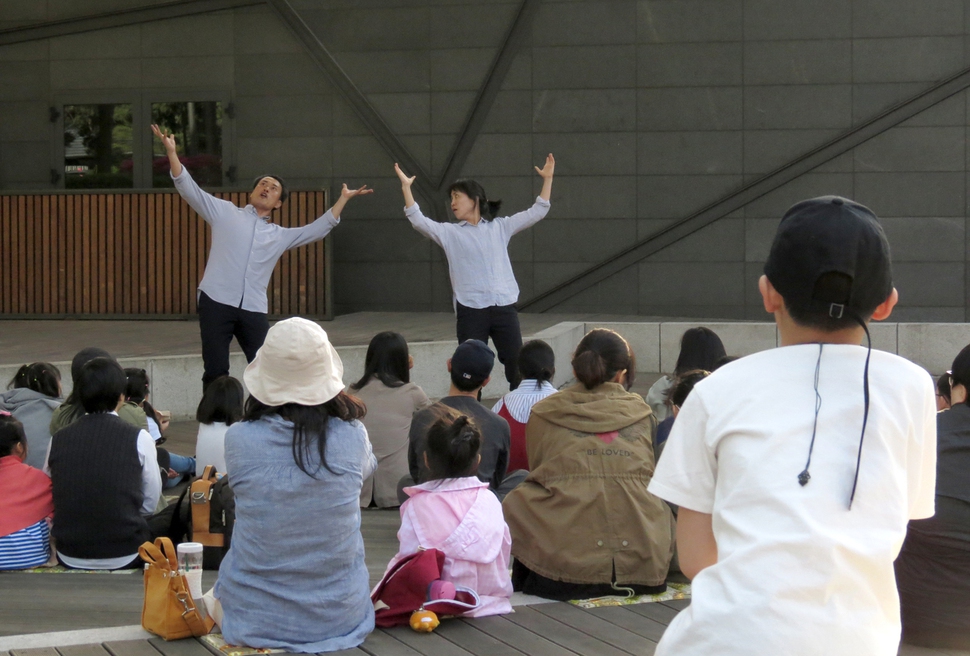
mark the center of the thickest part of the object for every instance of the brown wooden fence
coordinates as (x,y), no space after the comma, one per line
(137,254)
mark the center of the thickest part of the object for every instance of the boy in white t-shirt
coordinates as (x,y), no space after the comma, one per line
(797,469)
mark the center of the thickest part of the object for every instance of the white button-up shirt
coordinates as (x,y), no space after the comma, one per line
(245,246)
(478,255)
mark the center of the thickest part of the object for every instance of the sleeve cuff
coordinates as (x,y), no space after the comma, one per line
(679,498)
(409,211)
(539,200)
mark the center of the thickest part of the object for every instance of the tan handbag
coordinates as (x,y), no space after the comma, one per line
(169,611)
(200,495)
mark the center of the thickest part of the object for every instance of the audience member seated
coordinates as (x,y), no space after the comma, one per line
(221,407)
(700,348)
(136,394)
(72,410)
(943,393)
(32,397)
(583,524)
(537,366)
(456,513)
(391,399)
(26,504)
(105,476)
(295,577)
(676,397)
(470,368)
(933,567)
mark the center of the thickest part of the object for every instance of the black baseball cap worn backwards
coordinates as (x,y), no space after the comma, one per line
(473,361)
(831,234)
(822,236)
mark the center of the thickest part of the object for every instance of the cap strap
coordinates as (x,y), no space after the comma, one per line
(836,310)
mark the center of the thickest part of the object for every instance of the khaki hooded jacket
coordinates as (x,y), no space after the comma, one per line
(584,510)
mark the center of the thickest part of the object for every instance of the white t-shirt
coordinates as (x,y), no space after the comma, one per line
(210,447)
(797,571)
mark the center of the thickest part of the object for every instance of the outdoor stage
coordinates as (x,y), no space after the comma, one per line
(30,340)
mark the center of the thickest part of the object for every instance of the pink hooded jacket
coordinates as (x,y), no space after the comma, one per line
(462,518)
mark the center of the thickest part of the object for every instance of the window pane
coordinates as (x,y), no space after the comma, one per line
(97,146)
(197,127)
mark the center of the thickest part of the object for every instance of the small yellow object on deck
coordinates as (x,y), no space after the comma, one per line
(424,621)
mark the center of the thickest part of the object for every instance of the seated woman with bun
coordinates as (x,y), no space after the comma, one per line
(295,577)
(582,523)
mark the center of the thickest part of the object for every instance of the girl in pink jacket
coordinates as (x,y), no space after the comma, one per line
(457,514)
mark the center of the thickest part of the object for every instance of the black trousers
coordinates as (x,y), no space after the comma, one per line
(527,581)
(501,323)
(218,324)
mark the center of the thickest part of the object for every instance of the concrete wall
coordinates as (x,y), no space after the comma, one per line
(653,108)
(175,379)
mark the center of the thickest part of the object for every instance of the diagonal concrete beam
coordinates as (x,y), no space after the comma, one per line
(81,24)
(358,101)
(737,199)
(518,33)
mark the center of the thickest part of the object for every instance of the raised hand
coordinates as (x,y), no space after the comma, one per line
(405,180)
(168,140)
(405,185)
(547,170)
(350,193)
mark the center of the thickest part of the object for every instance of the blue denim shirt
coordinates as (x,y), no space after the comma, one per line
(294,577)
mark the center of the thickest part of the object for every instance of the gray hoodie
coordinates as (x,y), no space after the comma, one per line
(34,411)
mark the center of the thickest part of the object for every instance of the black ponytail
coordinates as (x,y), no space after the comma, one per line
(453,445)
(492,208)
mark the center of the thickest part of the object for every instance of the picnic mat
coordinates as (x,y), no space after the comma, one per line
(60,569)
(674,591)
(215,641)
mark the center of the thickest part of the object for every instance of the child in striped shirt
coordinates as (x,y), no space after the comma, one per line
(26,502)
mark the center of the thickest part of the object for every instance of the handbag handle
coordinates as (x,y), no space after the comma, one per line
(161,554)
(208,473)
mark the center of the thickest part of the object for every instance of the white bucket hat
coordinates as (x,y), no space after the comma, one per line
(296,364)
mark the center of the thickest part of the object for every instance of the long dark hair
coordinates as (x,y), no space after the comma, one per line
(137,388)
(41,377)
(309,424)
(453,445)
(602,354)
(386,360)
(487,208)
(700,348)
(221,401)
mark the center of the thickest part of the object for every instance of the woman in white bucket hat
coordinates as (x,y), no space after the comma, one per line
(295,577)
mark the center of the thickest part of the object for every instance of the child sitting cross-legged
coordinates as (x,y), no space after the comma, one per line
(457,514)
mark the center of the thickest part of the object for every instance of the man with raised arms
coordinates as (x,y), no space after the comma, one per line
(245,247)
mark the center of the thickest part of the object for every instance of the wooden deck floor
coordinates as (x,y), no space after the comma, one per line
(553,629)
(542,630)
